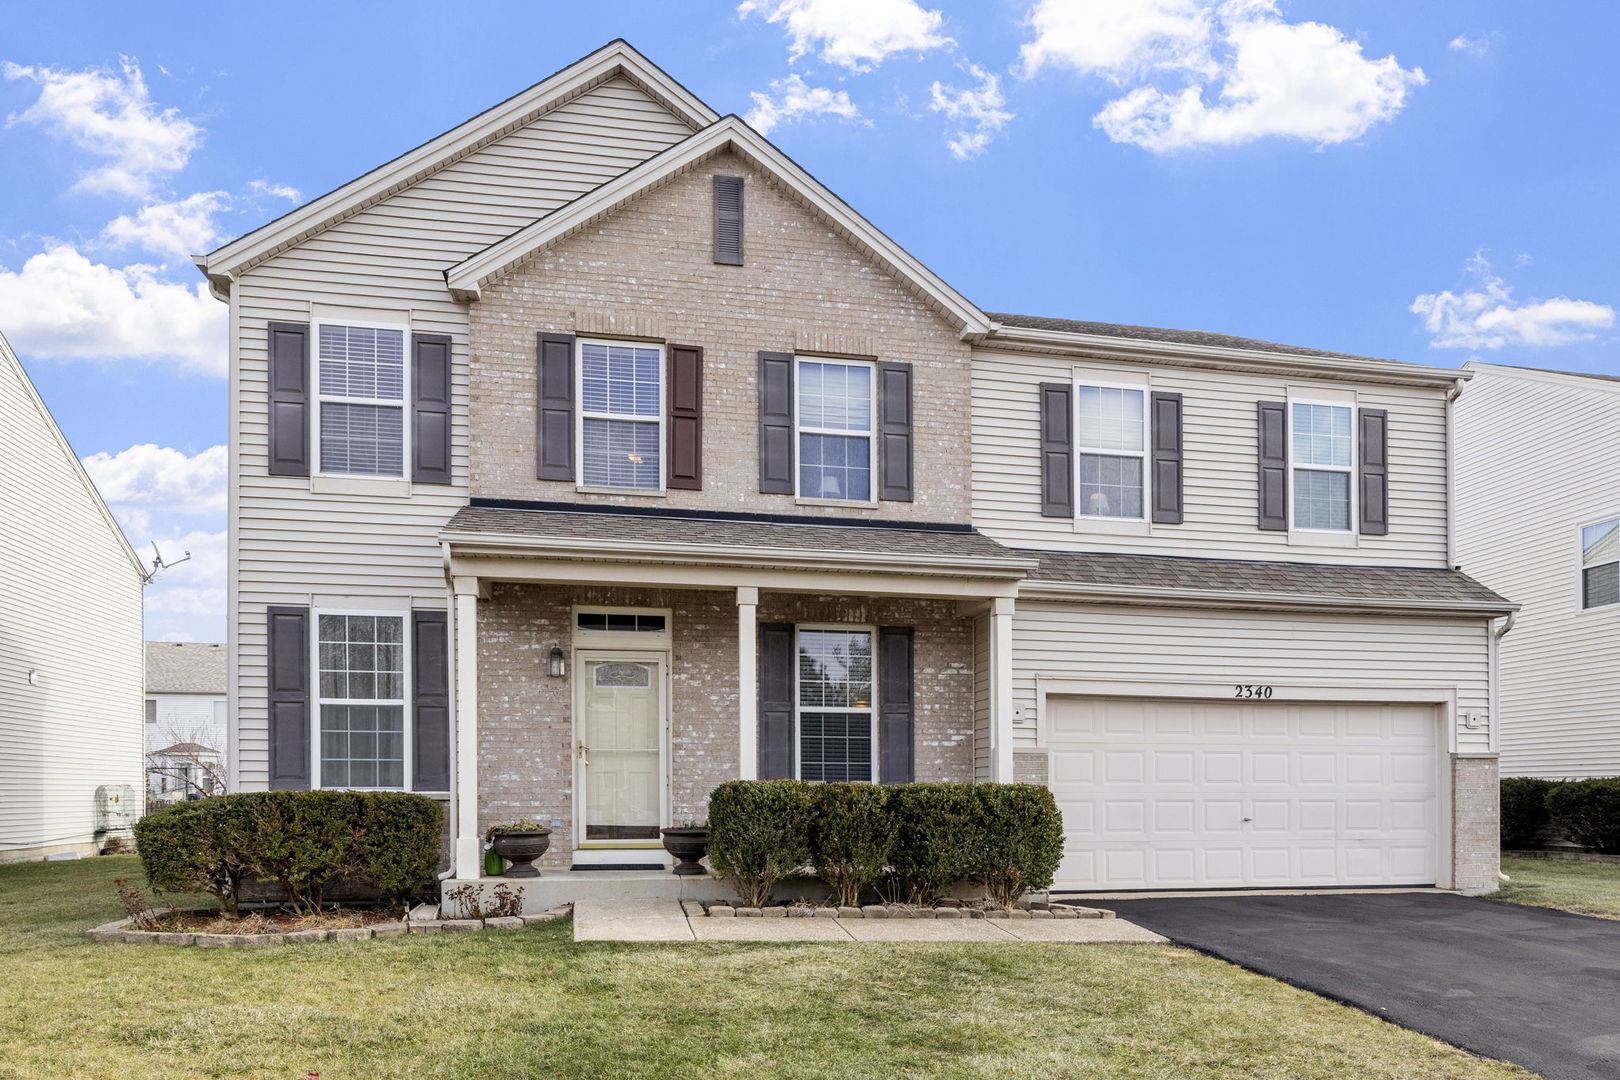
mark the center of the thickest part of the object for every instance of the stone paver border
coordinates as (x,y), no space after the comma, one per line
(120,931)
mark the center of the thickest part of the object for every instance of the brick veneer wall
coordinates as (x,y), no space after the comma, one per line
(1030,767)
(1476,829)
(646,271)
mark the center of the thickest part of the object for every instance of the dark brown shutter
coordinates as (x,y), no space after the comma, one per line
(556,390)
(430,404)
(1166,458)
(287,631)
(896,715)
(776,687)
(1272,420)
(430,699)
(1057,450)
(1373,469)
(894,432)
(289,399)
(728,220)
(776,423)
(684,469)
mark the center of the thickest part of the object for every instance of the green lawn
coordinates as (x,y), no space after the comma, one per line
(531,1003)
(1586,888)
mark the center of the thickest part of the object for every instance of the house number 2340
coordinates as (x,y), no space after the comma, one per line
(1244,690)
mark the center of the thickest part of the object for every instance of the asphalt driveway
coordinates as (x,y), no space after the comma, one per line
(1537,987)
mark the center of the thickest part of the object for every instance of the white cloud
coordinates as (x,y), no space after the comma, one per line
(856,34)
(280,191)
(1487,317)
(175,230)
(148,477)
(60,305)
(1218,72)
(110,114)
(1478,46)
(794,99)
(978,112)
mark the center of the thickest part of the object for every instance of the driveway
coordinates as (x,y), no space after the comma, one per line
(1537,987)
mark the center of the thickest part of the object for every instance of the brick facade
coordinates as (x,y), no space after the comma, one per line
(646,271)
(1476,831)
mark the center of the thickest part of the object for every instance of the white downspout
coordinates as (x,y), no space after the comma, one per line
(1493,650)
(453,821)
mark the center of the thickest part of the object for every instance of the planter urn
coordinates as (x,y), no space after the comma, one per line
(521,848)
(688,846)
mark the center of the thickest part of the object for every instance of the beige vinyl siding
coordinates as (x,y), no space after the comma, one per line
(1219,462)
(70,609)
(289,544)
(1537,460)
(1146,645)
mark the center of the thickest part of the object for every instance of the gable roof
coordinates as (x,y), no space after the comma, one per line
(729,133)
(185,667)
(1533,372)
(617,58)
(9,359)
(1170,337)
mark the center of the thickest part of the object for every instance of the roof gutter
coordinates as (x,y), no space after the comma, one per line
(1140,594)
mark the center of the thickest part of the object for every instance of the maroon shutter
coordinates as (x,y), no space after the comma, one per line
(1272,419)
(430,404)
(684,469)
(1057,450)
(776,423)
(287,632)
(289,399)
(556,407)
(894,432)
(1166,458)
(1373,468)
(430,701)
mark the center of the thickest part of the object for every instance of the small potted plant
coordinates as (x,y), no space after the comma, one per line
(520,843)
(688,843)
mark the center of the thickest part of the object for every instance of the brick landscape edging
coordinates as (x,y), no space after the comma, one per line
(1033,909)
(120,931)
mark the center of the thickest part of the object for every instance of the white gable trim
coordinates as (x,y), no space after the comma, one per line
(613,59)
(467,278)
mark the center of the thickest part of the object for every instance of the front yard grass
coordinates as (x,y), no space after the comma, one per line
(532,1003)
(1581,887)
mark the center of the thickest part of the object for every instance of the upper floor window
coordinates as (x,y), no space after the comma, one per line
(835,416)
(1111,441)
(1600,564)
(1323,466)
(621,415)
(360,661)
(361,402)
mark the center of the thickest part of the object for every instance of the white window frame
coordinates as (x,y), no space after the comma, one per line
(1350,470)
(870,435)
(621,639)
(1581,567)
(407,713)
(798,705)
(317,398)
(581,415)
(1081,449)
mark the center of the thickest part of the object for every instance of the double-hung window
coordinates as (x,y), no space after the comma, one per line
(361,668)
(1600,564)
(1111,442)
(361,377)
(1323,466)
(621,430)
(834,709)
(835,415)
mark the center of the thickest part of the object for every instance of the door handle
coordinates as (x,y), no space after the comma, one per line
(584,754)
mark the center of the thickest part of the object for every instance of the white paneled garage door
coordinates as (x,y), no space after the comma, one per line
(1188,794)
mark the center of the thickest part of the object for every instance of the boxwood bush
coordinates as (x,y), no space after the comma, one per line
(1587,812)
(301,840)
(852,837)
(759,834)
(1524,809)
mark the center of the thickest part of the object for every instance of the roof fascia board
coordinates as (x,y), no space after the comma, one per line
(1066,342)
(467,278)
(615,58)
(1054,590)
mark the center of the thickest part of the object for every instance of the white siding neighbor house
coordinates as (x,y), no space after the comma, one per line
(70,643)
(593,453)
(1538,517)
(185,719)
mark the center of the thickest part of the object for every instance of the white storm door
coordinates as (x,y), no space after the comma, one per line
(620,762)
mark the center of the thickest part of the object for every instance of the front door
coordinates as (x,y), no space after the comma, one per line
(619,756)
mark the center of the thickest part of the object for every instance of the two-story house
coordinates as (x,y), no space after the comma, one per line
(594,453)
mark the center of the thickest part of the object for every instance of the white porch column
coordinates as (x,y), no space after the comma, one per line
(747,683)
(469,847)
(1001,695)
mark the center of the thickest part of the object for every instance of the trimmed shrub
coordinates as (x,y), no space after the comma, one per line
(932,825)
(1017,840)
(1588,812)
(759,834)
(1524,809)
(183,850)
(852,836)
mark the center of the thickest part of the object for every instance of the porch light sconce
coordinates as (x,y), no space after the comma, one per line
(556,666)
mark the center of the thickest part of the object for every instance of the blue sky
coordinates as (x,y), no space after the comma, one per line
(1430,182)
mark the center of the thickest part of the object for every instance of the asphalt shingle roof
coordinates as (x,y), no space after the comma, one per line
(185,667)
(1170,337)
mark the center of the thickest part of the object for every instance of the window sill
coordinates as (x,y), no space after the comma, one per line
(1305,538)
(645,493)
(850,503)
(380,486)
(1112,526)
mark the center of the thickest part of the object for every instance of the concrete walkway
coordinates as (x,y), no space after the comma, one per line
(664,920)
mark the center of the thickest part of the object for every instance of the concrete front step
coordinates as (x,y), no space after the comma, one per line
(554,888)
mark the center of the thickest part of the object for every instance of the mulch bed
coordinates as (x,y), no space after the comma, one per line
(257,922)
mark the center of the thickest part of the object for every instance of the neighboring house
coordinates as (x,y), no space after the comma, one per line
(593,454)
(185,720)
(70,643)
(1538,517)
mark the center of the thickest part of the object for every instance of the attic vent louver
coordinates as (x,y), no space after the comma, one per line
(728,220)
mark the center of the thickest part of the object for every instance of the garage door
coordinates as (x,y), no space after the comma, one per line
(1210,794)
